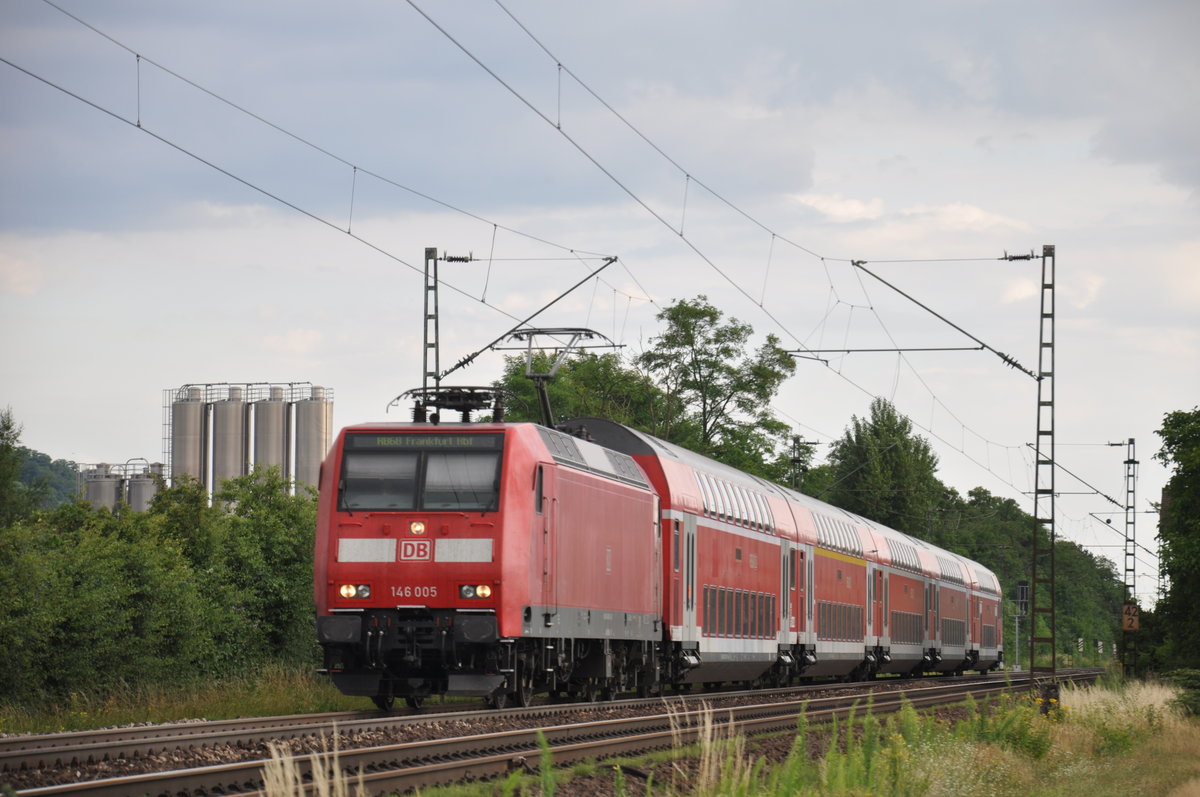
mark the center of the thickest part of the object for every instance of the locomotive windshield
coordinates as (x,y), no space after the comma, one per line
(420,472)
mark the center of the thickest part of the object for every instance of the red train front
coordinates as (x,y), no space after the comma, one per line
(491,560)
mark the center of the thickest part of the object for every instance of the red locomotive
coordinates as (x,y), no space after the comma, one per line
(504,559)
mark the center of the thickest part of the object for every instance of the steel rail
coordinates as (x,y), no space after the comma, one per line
(416,764)
(72,748)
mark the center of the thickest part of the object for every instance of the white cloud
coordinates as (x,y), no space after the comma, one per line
(295,342)
(840,209)
(961,216)
(19,276)
(1019,290)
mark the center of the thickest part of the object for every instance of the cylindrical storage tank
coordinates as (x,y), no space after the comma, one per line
(270,432)
(314,430)
(188,448)
(229,438)
(102,487)
(142,487)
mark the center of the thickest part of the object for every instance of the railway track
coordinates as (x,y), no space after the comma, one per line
(416,750)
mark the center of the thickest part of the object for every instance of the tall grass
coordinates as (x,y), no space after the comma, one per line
(1093,742)
(274,689)
(282,776)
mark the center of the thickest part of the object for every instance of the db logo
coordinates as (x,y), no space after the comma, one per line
(415,551)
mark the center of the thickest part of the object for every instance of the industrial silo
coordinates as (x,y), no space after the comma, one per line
(271,431)
(314,430)
(142,487)
(228,438)
(188,434)
(102,486)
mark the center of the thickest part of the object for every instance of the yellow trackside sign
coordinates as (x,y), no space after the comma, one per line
(1131,617)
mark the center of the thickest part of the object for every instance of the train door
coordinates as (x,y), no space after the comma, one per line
(877,607)
(788,562)
(546,513)
(928,611)
(690,631)
(675,588)
(810,587)
(976,608)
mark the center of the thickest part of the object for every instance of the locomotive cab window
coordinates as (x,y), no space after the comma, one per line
(412,472)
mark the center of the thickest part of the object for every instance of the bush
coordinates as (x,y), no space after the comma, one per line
(1189,682)
(100,601)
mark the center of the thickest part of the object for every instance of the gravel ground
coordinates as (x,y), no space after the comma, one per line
(592,786)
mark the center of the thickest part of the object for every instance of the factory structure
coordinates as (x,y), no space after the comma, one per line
(218,431)
(215,432)
(134,482)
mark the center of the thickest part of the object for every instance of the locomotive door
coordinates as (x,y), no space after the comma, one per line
(546,514)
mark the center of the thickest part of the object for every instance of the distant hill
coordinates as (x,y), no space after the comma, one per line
(56,481)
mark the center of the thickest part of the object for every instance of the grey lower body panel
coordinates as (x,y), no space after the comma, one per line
(556,622)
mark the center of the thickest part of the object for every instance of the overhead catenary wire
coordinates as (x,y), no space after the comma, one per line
(348,229)
(306,142)
(275,197)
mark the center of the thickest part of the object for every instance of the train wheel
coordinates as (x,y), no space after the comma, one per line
(496,700)
(524,693)
(591,692)
(414,702)
(385,701)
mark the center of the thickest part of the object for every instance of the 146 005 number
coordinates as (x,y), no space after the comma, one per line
(414,592)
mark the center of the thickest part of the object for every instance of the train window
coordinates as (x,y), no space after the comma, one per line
(705,495)
(537,491)
(675,547)
(719,625)
(724,507)
(763,511)
(751,614)
(462,480)
(726,611)
(406,472)
(736,631)
(743,509)
(379,480)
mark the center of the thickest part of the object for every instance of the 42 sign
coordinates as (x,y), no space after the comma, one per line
(1131,617)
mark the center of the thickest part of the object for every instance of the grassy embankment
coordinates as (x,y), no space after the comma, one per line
(1109,740)
(274,690)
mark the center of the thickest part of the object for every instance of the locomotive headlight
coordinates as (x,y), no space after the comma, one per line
(483,591)
(416,527)
(472,591)
(348,590)
(361,591)
(466,591)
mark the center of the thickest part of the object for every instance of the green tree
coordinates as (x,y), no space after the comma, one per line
(268,544)
(883,471)
(16,499)
(56,481)
(94,599)
(720,392)
(586,385)
(1179,538)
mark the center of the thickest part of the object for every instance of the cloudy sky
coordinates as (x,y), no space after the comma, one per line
(243,192)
